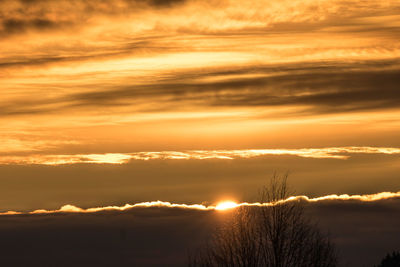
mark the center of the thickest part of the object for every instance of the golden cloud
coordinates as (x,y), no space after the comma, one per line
(221,206)
(121,158)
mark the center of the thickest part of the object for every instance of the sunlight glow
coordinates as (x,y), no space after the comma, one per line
(226,205)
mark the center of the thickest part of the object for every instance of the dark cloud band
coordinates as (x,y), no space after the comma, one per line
(317,88)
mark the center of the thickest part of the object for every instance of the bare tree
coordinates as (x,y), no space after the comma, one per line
(279,235)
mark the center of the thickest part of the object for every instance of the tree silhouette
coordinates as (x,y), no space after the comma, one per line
(273,236)
(391,260)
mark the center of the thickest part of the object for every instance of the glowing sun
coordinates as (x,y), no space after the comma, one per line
(226,205)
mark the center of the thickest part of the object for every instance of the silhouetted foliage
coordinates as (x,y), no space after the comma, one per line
(391,260)
(279,235)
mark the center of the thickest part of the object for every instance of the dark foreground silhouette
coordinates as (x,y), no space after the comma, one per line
(280,235)
(391,260)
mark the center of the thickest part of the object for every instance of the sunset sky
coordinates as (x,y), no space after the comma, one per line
(172,106)
(114,102)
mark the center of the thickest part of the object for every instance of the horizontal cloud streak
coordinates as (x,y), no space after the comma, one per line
(234,15)
(318,88)
(21,15)
(220,206)
(313,88)
(121,158)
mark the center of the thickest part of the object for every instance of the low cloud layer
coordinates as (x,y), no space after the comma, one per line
(361,231)
(224,205)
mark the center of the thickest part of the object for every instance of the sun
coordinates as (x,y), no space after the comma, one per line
(225,205)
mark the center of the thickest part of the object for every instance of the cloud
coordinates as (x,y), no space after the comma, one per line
(16,145)
(361,231)
(315,88)
(108,241)
(221,16)
(18,17)
(218,207)
(135,54)
(163,3)
(108,2)
(120,158)
(319,88)
(14,25)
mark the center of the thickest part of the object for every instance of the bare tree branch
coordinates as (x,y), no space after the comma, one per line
(273,236)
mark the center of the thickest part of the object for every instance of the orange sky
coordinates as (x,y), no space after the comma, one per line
(100,82)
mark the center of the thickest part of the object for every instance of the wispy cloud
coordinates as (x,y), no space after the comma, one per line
(15,145)
(117,81)
(154,56)
(232,14)
(121,158)
(315,88)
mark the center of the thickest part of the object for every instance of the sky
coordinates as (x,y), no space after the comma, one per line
(113,102)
